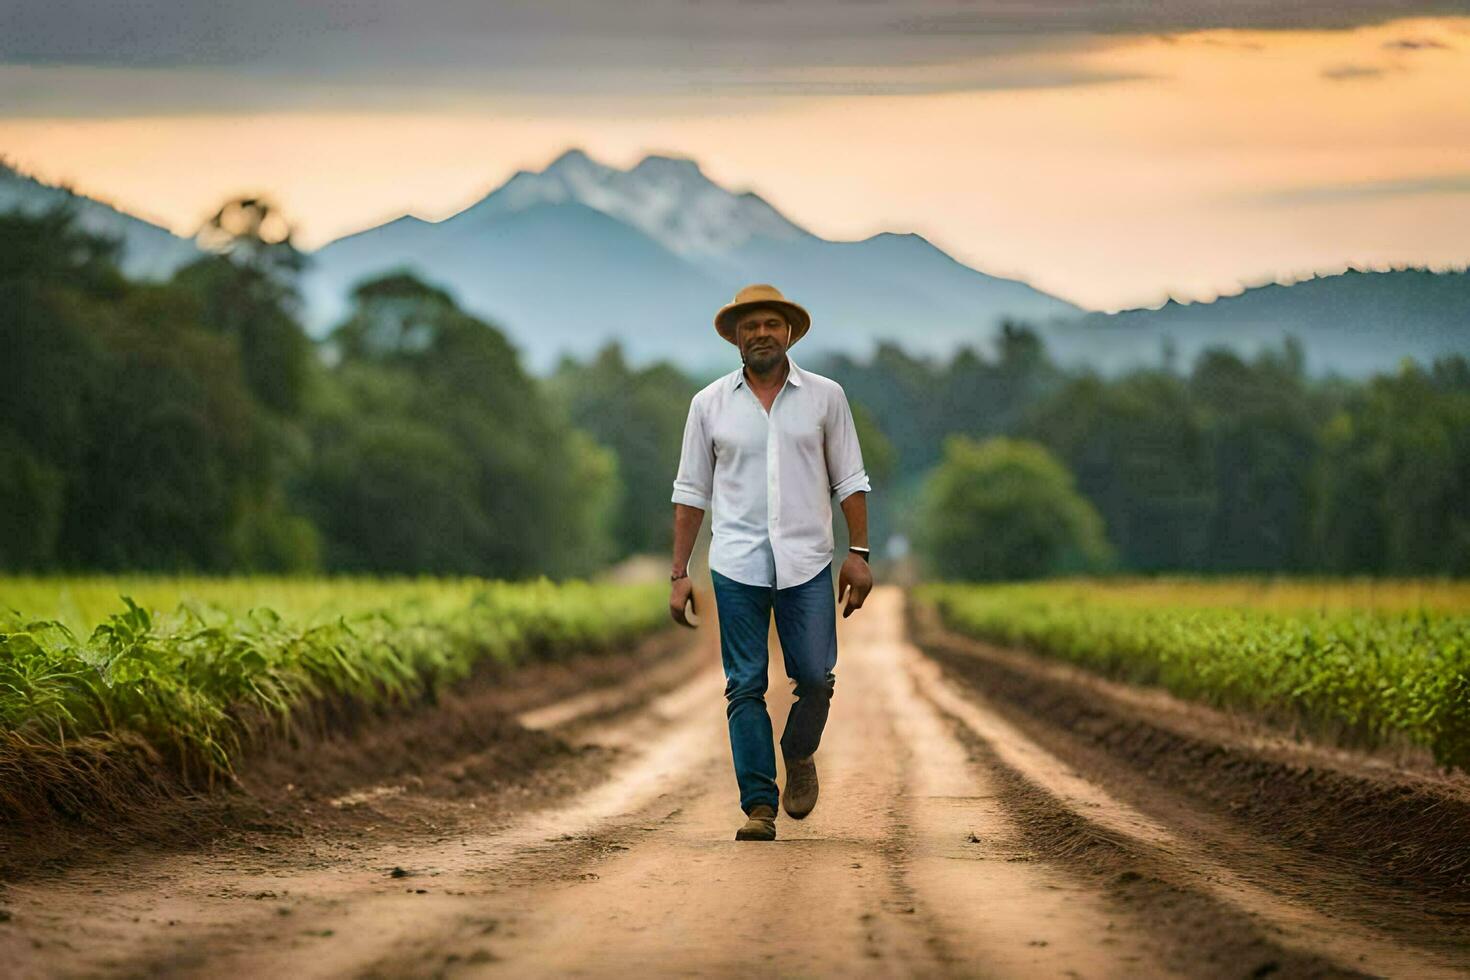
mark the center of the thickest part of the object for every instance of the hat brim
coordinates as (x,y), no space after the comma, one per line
(800,319)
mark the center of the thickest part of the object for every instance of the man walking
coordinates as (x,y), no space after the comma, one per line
(767,448)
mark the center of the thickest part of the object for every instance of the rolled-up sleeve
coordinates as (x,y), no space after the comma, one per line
(845,472)
(695,480)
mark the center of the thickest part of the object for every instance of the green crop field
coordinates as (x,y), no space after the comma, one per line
(183,662)
(1370,662)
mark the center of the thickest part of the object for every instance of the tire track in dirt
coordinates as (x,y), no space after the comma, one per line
(909,866)
(1000,910)
(825,898)
(1351,945)
(375,917)
(1317,818)
(178,914)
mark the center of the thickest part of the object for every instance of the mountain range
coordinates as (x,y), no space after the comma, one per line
(580,253)
(569,257)
(1352,323)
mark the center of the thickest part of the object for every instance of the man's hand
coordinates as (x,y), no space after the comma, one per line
(681,592)
(855,581)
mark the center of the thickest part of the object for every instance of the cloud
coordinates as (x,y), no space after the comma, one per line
(61,91)
(1361,190)
(1221,42)
(1342,73)
(986,17)
(1416,44)
(976,78)
(263,55)
(395,32)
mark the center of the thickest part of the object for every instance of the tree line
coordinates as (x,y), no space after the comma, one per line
(1232,465)
(192,425)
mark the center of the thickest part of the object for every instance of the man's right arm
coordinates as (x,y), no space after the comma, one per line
(681,590)
(693,487)
(686,528)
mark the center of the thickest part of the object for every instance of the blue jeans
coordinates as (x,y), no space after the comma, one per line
(806,622)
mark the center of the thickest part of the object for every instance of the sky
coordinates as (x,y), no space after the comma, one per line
(1112,152)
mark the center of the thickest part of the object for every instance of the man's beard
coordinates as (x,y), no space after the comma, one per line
(763,358)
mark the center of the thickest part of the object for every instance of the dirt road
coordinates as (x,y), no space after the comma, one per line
(946,842)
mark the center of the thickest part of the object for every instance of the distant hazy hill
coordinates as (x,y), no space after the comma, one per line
(1354,323)
(580,253)
(149,252)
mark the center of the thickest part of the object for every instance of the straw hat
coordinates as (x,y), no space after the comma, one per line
(761,294)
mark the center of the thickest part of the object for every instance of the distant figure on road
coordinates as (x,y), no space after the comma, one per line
(768,447)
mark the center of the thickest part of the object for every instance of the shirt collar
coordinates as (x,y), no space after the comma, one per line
(793,375)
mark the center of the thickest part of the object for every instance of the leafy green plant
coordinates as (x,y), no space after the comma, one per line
(1393,667)
(185,680)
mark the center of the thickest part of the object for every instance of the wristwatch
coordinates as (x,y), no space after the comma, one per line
(675,578)
(860,551)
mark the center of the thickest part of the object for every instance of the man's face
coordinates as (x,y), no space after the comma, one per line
(762,334)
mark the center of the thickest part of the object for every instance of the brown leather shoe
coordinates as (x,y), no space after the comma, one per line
(799,794)
(759,825)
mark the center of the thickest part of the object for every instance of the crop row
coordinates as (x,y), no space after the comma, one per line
(84,601)
(186,680)
(1389,670)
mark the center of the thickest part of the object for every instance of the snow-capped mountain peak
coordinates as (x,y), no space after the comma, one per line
(669,169)
(668,198)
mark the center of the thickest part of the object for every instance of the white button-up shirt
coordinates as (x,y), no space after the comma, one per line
(770,479)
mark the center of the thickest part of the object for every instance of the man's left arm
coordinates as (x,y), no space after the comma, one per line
(849,484)
(855,580)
